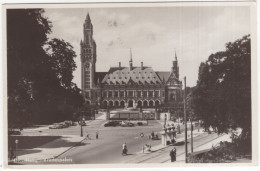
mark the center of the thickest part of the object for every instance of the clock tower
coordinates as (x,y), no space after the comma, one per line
(88,59)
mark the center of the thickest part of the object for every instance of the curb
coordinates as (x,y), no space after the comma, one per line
(69,148)
(162,147)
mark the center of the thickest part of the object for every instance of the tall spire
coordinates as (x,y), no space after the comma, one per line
(87,17)
(131,60)
(176,57)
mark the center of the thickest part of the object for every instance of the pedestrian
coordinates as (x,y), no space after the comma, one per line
(87,136)
(173,154)
(152,134)
(97,135)
(11,153)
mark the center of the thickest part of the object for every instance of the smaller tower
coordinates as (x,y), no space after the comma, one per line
(175,67)
(131,60)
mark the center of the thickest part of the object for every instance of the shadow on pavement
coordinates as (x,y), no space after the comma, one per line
(81,144)
(27,151)
(29,142)
(130,154)
(179,143)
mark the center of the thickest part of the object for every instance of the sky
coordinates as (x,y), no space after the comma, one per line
(153,33)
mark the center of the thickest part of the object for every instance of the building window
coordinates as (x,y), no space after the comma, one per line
(138,93)
(162,93)
(150,94)
(130,93)
(121,93)
(110,94)
(104,94)
(145,93)
(116,94)
(156,93)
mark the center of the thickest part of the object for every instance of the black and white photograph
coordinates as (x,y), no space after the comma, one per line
(166,84)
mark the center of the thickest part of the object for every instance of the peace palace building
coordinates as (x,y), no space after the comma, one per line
(132,86)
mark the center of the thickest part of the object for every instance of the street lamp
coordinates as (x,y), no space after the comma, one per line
(185,120)
(16,148)
(178,126)
(165,117)
(191,133)
(81,122)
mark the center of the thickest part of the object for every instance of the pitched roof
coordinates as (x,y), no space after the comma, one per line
(99,76)
(122,75)
(163,75)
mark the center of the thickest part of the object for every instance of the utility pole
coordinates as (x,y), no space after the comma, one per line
(81,122)
(191,133)
(185,120)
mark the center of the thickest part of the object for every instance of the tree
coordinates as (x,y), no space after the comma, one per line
(40,87)
(27,32)
(222,95)
(61,59)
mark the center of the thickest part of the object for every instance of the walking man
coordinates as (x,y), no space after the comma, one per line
(87,136)
(97,135)
(173,154)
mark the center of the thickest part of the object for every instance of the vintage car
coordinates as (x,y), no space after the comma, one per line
(126,124)
(111,123)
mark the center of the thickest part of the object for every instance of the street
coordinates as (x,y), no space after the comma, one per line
(107,148)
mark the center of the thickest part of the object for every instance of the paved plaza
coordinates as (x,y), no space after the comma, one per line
(68,147)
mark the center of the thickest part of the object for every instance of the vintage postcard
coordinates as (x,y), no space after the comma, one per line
(130,85)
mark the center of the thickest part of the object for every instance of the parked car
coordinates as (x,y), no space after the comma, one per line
(139,123)
(126,124)
(69,123)
(111,123)
(64,125)
(14,132)
(57,126)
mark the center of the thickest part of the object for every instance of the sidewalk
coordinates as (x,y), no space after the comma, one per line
(49,150)
(207,146)
(159,153)
(178,140)
(156,154)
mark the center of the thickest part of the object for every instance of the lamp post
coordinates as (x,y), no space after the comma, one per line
(81,129)
(191,133)
(142,136)
(16,148)
(165,117)
(178,126)
(185,120)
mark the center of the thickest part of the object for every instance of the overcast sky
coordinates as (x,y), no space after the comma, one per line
(154,34)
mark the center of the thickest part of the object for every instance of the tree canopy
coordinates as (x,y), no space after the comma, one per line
(40,87)
(222,97)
